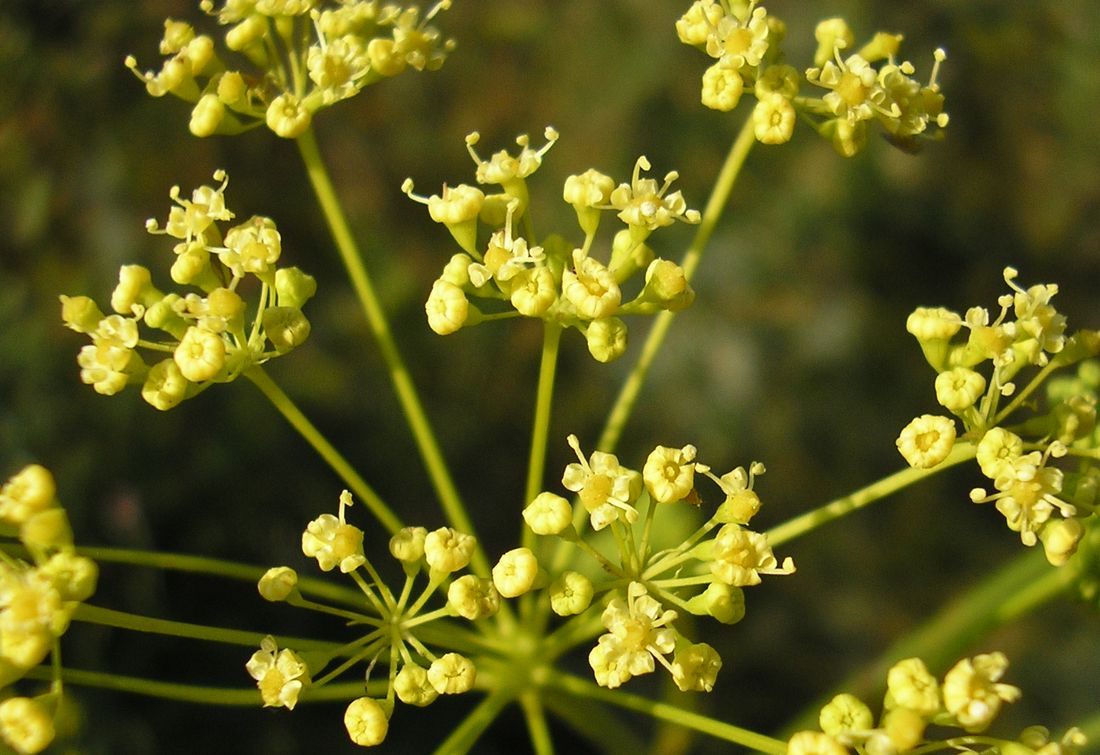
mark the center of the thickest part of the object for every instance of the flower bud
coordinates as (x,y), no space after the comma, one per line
(606,339)
(367,722)
(570,594)
(515,572)
(548,514)
(286,327)
(80,313)
(278,583)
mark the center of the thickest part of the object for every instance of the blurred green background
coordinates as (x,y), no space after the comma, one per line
(794,354)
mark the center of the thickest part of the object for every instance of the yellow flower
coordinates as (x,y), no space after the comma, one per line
(280,674)
(366,722)
(200,355)
(926,441)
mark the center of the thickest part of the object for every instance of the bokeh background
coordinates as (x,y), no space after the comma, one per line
(794,354)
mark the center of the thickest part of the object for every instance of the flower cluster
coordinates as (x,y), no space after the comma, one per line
(744,41)
(969,698)
(202,338)
(976,382)
(511,275)
(304,55)
(416,675)
(704,575)
(37,599)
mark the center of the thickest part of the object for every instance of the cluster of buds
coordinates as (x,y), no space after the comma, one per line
(201,338)
(510,275)
(416,675)
(37,600)
(704,575)
(865,86)
(976,382)
(969,698)
(304,55)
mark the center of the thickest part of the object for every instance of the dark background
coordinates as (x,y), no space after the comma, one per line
(794,354)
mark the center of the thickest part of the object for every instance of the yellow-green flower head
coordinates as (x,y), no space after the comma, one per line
(412,686)
(740,556)
(533,291)
(473,597)
(588,192)
(165,386)
(639,629)
(337,65)
(845,714)
(334,542)
(959,389)
(106,369)
(27,493)
(904,728)
(606,339)
(933,323)
(773,119)
(548,514)
(74,577)
(1028,492)
(910,685)
(645,205)
(571,594)
(278,583)
(135,289)
(447,308)
(47,530)
(299,66)
(720,601)
(927,440)
(606,489)
(200,354)
(280,674)
(590,287)
(738,42)
(997,451)
(452,674)
(366,721)
(32,617)
(457,208)
(695,667)
(514,574)
(699,22)
(190,219)
(252,247)
(669,473)
(973,693)
(1060,538)
(447,550)
(722,88)
(26,725)
(1035,317)
(502,168)
(814,743)
(855,93)
(407,546)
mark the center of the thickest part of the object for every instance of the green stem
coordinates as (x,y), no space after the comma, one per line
(536,465)
(108,617)
(665,712)
(376,318)
(537,728)
(332,457)
(465,735)
(191,693)
(317,588)
(716,205)
(809,521)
